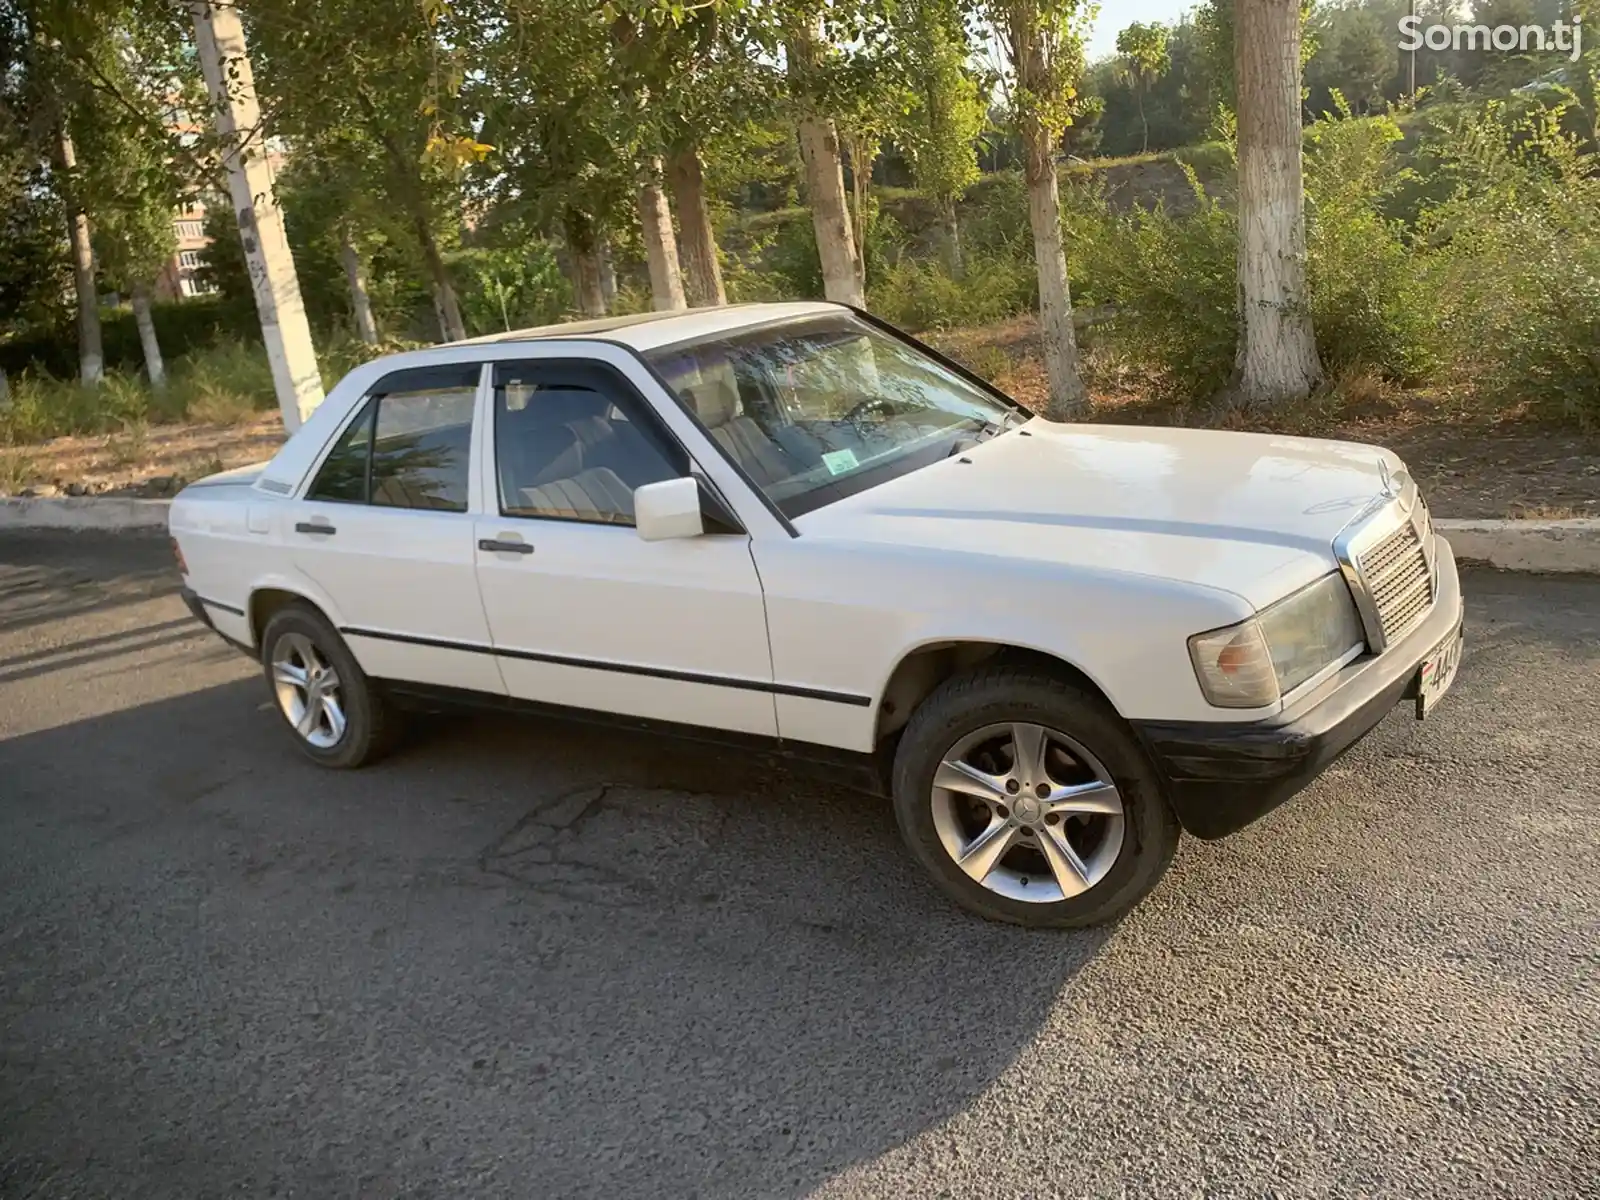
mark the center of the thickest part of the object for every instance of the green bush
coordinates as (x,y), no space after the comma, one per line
(1515,269)
(1171,282)
(181,325)
(512,288)
(224,384)
(1368,299)
(919,295)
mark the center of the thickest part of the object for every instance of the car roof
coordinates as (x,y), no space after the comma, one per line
(647,331)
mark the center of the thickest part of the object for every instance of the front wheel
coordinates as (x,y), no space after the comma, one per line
(1030,801)
(335,714)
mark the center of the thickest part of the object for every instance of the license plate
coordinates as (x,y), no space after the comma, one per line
(1437,673)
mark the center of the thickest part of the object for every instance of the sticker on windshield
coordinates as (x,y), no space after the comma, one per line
(840,461)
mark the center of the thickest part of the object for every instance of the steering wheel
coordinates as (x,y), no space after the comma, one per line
(873,405)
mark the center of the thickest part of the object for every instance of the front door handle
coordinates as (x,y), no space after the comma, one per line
(314,527)
(496,546)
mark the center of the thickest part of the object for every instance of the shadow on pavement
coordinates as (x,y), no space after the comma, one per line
(519,958)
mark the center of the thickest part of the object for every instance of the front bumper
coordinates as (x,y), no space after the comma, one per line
(1221,776)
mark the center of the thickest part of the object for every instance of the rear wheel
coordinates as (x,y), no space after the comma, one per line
(333,711)
(1030,801)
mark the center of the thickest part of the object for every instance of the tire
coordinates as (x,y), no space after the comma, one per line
(1090,759)
(370,726)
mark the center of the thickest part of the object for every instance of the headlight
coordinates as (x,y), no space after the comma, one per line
(1253,663)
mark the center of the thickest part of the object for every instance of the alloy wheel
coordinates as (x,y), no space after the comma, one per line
(308,693)
(1027,812)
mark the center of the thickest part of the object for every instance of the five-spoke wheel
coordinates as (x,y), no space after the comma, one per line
(308,691)
(335,713)
(1027,812)
(1029,799)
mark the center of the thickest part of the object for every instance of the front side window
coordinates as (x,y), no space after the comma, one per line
(410,446)
(573,441)
(817,409)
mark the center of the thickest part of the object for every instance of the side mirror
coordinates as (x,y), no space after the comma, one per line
(669,509)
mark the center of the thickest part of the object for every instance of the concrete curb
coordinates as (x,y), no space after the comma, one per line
(1559,546)
(83,512)
(1556,546)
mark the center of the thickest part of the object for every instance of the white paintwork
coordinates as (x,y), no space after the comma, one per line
(1105,547)
(669,509)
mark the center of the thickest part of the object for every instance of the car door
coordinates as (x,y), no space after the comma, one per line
(582,612)
(385,531)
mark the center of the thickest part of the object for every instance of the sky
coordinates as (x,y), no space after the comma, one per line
(1116,15)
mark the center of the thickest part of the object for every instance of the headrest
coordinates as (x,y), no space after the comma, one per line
(715,401)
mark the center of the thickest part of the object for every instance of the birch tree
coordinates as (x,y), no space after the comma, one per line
(947,114)
(1044,51)
(1277,357)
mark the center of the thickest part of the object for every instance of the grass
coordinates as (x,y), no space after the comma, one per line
(17,471)
(224,384)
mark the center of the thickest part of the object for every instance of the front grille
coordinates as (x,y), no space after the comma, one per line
(1398,578)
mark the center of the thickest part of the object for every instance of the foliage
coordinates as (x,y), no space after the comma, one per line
(1369,304)
(1515,265)
(513,288)
(921,295)
(948,108)
(1170,281)
(183,326)
(1142,59)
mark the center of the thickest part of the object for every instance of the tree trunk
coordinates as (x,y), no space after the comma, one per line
(863,152)
(153,366)
(702,272)
(1067,397)
(91,355)
(1144,124)
(587,282)
(608,275)
(360,303)
(583,247)
(1277,357)
(225,62)
(952,239)
(830,215)
(451,327)
(660,244)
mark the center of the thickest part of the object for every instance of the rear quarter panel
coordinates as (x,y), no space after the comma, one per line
(232,544)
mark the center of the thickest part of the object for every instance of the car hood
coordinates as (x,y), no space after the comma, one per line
(1252,514)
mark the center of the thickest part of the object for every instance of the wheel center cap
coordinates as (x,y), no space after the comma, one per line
(1027,809)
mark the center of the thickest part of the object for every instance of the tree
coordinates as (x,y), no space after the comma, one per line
(806,50)
(706,71)
(1044,48)
(379,82)
(1354,55)
(947,113)
(1142,59)
(563,133)
(45,97)
(129,154)
(1277,359)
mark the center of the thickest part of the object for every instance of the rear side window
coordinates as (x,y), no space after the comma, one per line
(411,445)
(344,472)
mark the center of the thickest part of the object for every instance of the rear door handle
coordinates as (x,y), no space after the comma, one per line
(496,546)
(314,527)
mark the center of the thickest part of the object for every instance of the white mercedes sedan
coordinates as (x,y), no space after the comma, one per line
(1053,646)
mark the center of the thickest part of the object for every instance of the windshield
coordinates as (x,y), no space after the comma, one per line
(819,409)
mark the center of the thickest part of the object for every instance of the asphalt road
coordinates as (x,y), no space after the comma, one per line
(523,960)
